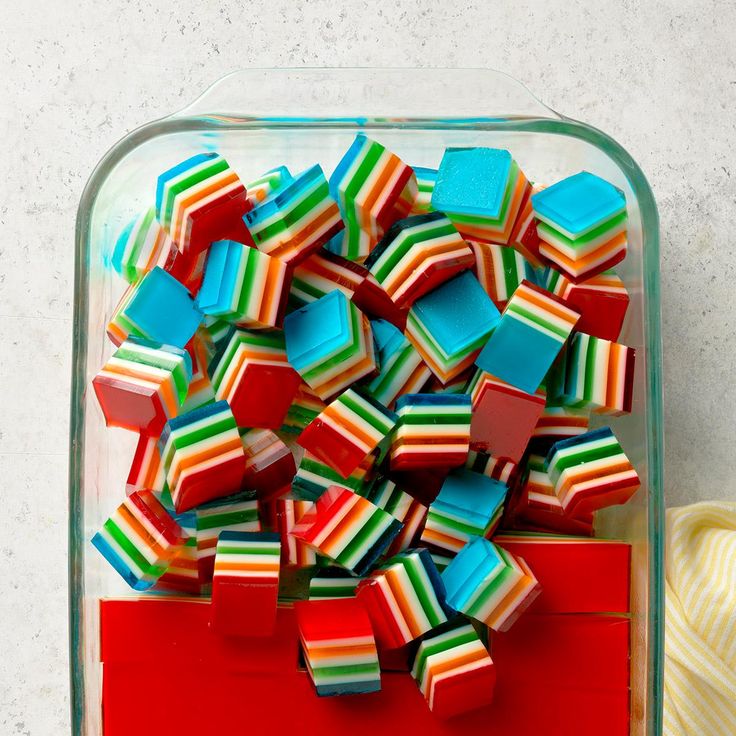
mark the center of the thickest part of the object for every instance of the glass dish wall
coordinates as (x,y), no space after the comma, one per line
(260,118)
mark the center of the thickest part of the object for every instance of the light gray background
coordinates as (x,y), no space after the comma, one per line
(75,76)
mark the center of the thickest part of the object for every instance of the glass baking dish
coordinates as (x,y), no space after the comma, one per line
(261,118)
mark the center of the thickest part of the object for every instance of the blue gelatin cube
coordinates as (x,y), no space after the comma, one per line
(387,338)
(315,332)
(281,198)
(472,496)
(579,203)
(220,276)
(461,401)
(229,535)
(119,564)
(163,310)
(519,354)
(476,561)
(334,244)
(457,313)
(472,181)
(342,169)
(284,177)
(425,174)
(175,171)
(121,243)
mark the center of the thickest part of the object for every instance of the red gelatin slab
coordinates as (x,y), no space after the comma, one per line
(176,633)
(576,575)
(243,681)
(234,698)
(557,710)
(572,650)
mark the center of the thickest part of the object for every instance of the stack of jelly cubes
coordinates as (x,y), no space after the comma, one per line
(345,388)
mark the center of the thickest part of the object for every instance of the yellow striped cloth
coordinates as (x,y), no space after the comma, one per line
(700,642)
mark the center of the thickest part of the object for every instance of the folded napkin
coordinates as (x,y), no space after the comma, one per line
(700,640)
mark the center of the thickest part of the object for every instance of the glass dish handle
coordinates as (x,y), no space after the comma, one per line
(350,94)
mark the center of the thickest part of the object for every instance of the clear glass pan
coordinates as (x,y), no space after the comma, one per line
(260,118)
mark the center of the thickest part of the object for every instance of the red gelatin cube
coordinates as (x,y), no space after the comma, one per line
(503,418)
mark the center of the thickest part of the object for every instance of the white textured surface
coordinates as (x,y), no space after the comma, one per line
(660,77)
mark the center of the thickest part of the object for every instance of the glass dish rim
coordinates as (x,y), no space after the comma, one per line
(549,122)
